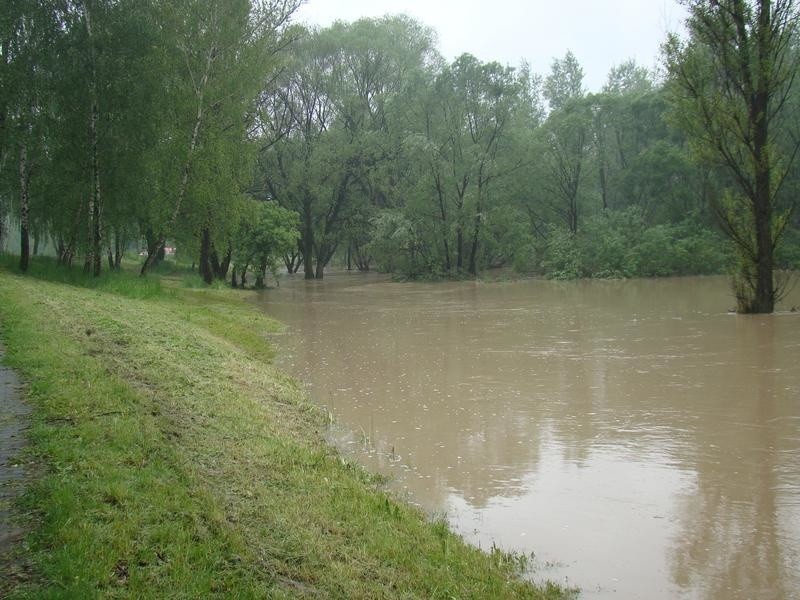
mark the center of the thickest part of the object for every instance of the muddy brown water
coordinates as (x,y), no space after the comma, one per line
(635,436)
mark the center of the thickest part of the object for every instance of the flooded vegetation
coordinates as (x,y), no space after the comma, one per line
(638,437)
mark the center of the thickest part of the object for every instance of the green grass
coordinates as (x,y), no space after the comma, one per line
(175,461)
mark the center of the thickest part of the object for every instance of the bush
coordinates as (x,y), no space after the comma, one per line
(619,244)
(561,257)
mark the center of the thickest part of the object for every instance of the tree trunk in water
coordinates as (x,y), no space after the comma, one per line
(459,248)
(293,261)
(205,256)
(24,226)
(308,242)
(362,259)
(324,254)
(445,227)
(764,301)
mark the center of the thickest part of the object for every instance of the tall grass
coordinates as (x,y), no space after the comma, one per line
(125,283)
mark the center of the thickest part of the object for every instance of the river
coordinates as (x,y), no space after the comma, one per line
(642,441)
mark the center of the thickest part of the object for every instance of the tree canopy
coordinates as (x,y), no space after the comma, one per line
(133,124)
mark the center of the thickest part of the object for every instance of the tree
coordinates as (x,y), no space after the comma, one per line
(613,117)
(566,138)
(731,82)
(463,152)
(565,82)
(296,112)
(329,127)
(266,232)
(225,50)
(26,42)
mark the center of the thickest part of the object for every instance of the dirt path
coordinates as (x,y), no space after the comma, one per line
(14,420)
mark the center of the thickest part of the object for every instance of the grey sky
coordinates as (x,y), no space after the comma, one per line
(601,33)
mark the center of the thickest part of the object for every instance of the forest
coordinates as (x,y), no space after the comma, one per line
(252,144)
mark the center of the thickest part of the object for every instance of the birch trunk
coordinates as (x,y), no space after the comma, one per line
(24,227)
(94,249)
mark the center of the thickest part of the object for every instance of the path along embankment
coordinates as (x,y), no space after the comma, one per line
(14,421)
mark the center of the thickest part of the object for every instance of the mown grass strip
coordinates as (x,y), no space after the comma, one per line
(177,462)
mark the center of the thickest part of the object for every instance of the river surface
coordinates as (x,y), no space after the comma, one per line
(635,436)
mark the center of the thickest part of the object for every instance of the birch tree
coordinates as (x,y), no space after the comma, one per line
(224,49)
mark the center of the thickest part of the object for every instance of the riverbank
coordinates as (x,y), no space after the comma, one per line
(177,461)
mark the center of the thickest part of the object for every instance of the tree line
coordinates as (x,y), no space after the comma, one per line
(128,122)
(249,140)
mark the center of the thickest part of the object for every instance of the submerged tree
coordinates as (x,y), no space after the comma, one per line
(266,232)
(731,83)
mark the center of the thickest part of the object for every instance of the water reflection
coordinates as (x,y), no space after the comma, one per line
(739,536)
(635,435)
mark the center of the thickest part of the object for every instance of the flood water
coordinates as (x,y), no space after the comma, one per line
(638,438)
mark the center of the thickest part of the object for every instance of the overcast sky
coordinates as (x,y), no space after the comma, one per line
(601,33)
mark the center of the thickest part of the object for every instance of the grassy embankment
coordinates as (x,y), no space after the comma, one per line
(175,461)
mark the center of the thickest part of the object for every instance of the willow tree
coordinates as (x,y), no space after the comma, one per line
(731,82)
(331,128)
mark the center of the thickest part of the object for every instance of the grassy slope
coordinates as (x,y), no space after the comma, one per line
(178,463)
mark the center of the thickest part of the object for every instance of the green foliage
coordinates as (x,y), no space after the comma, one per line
(732,83)
(787,255)
(561,257)
(619,244)
(165,91)
(398,248)
(385,151)
(332,125)
(507,239)
(266,232)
